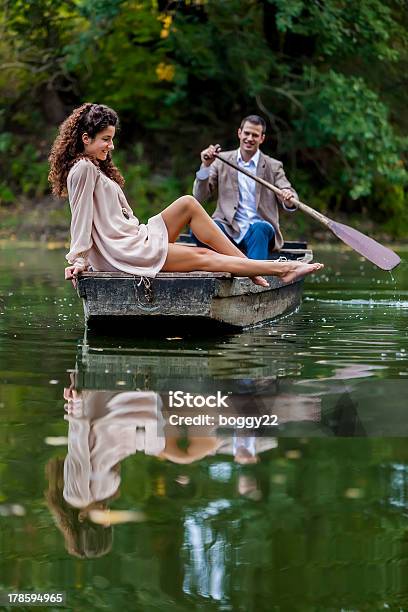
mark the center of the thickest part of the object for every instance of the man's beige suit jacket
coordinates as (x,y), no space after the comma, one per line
(222,184)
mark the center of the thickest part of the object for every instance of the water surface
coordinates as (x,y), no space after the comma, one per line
(310,515)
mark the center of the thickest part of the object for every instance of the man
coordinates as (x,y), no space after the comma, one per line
(247,212)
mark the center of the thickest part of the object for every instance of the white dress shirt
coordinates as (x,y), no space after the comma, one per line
(246,212)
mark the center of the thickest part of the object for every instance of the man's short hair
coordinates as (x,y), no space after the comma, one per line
(256,120)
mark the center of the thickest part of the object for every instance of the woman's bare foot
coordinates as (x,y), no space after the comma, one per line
(297,270)
(260,280)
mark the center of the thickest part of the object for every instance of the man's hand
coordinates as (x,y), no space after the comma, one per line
(207,156)
(71,273)
(286,195)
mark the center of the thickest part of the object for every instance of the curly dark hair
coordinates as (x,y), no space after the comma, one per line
(83,539)
(68,146)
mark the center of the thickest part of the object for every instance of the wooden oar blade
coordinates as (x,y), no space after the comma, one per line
(372,250)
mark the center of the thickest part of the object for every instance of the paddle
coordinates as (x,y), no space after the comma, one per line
(372,250)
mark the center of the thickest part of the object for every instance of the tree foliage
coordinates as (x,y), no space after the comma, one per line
(327,76)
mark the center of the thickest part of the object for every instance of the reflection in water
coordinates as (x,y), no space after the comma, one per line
(82,538)
(206,549)
(230,519)
(399,486)
(326,406)
(105,428)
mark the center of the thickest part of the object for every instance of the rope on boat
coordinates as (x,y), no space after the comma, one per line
(147,284)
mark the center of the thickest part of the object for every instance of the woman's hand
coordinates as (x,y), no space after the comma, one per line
(71,273)
(74,405)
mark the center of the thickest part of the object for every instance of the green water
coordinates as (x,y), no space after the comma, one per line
(318,521)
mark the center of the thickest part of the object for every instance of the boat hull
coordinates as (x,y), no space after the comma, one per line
(181,301)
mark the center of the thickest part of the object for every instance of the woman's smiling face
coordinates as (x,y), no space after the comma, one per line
(99,146)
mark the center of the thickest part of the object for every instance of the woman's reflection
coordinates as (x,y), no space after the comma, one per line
(105,427)
(83,538)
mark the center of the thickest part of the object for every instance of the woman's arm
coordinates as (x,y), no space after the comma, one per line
(81,185)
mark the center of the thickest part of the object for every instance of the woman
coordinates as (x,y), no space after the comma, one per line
(105,234)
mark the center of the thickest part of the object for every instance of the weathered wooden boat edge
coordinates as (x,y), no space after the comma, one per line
(214,322)
(177,302)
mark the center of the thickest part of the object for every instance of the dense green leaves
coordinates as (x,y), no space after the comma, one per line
(346,113)
(328,77)
(341,28)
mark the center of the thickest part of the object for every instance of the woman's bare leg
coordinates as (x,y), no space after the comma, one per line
(188,211)
(185,259)
(198,448)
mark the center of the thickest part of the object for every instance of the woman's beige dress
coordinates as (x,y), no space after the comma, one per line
(101,234)
(105,428)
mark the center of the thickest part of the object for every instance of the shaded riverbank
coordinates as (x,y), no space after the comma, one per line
(48,220)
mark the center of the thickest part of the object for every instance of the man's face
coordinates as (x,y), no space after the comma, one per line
(250,137)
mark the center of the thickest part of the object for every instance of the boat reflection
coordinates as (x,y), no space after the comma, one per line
(107,425)
(342,399)
(302,407)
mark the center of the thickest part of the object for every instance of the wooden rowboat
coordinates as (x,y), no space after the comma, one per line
(193,301)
